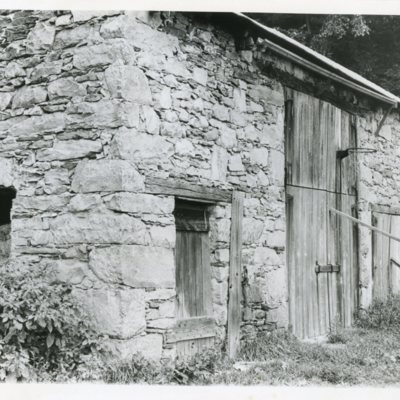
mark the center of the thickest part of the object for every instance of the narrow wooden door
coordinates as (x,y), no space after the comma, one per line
(320,248)
(395,255)
(385,256)
(195,324)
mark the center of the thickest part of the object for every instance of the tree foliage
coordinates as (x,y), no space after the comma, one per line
(368,45)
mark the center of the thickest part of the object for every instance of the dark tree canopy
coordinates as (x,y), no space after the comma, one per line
(369,45)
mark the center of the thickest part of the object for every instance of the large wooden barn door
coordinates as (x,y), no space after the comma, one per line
(320,247)
(386,256)
(195,327)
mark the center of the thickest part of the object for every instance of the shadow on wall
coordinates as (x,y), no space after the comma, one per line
(6,197)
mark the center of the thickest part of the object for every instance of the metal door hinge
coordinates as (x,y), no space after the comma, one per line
(327,268)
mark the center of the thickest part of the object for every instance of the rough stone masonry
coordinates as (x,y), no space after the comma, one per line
(94,103)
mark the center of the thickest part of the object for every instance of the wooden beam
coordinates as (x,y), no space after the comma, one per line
(385,209)
(235,275)
(388,111)
(373,228)
(185,190)
(322,71)
(394,261)
(191,328)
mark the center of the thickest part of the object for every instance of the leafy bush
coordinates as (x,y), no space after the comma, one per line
(43,333)
(382,314)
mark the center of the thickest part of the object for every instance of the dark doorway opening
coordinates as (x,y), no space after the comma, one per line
(6,197)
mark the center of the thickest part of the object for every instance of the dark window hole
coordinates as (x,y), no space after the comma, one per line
(6,197)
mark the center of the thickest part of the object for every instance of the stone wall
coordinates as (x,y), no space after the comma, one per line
(378,174)
(379,183)
(91,105)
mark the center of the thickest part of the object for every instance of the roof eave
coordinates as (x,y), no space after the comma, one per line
(343,75)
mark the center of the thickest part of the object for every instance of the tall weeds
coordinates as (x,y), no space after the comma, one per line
(382,314)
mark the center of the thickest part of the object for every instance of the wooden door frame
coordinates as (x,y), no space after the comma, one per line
(200,193)
(353,142)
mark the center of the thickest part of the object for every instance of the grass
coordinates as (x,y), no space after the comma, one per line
(368,354)
(367,357)
(197,370)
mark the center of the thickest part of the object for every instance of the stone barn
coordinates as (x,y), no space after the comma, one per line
(197,178)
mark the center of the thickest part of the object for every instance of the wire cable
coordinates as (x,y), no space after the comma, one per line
(320,189)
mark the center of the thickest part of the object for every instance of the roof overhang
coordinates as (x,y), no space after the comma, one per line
(307,58)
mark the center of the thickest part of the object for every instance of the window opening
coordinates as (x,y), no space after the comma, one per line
(6,197)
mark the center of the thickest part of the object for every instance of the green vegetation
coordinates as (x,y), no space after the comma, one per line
(198,370)
(369,357)
(369,354)
(381,315)
(360,43)
(43,333)
(44,336)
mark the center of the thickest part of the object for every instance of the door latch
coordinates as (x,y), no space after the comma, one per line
(326,268)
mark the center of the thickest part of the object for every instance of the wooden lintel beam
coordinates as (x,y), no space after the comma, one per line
(186,190)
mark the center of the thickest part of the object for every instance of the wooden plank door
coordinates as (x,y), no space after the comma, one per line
(307,230)
(385,256)
(380,256)
(395,255)
(314,131)
(195,328)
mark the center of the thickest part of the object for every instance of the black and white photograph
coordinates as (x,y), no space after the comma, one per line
(199,198)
